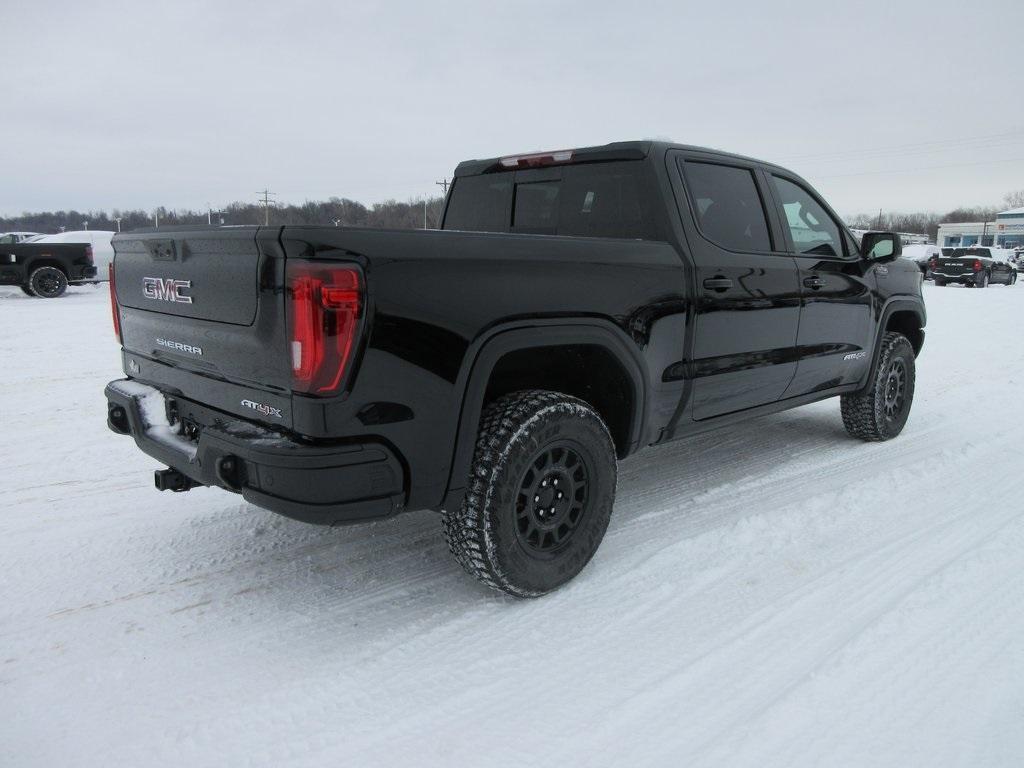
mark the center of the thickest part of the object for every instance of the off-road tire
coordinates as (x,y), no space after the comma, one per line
(870,415)
(48,282)
(939,282)
(1013,279)
(495,534)
(982,282)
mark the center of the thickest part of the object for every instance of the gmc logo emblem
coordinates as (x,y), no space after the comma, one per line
(166,289)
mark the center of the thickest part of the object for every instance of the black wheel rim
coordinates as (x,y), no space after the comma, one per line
(895,389)
(48,284)
(552,499)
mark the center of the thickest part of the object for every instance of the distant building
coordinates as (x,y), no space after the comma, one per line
(1007,231)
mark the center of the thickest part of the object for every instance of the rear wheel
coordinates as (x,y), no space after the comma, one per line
(27,291)
(981,281)
(1013,278)
(540,493)
(880,412)
(939,282)
(48,282)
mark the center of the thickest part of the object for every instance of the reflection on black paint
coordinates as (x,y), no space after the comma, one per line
(427,346)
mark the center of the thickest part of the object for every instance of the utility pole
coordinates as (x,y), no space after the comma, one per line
(878,222)
(424,213)
(117,220)
(156,219)
(85,225)
(209,215)
(265,199)
(443,184)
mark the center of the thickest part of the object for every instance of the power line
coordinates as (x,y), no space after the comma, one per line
(1017,133)
(908,153)
(925,168)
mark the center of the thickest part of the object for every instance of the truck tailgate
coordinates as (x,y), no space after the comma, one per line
(202,315)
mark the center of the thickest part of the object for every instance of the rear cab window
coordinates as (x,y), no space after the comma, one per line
(607,200)
(480,203)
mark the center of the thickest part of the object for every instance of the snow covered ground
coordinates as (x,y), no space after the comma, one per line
(776,594)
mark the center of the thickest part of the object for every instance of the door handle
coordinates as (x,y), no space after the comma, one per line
(718,284)
(814,282)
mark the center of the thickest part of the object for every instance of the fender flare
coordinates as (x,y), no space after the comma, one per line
(898,304)
(33,263)
(498,342)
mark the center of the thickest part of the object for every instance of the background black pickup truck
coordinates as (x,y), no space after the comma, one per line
(45,269)
(974,267)
(574,308)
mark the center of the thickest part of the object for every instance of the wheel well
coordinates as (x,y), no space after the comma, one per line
(34,265)
(909,324)
(587,371)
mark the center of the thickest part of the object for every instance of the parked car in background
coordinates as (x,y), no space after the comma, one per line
(45,269)
(9,238)
(924,256)
(975,267)
(99,239)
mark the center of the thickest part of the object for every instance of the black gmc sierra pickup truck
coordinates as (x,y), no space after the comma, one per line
(574,307)
(45,269)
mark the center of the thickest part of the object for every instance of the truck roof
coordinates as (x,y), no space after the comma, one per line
(619,150)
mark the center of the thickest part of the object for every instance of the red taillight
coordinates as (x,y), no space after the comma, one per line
(977,265)
(88,254)
(325,304)
(537,160)
(114,311)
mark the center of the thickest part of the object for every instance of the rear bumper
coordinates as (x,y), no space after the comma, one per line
(326,485)
(966,277)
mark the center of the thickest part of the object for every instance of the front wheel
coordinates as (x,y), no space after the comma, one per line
(48,282)
(880,412)
(539,496)
(1013,278)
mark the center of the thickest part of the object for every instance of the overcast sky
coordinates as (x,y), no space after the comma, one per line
(904,105)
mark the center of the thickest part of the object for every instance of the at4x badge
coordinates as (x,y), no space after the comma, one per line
(266,410)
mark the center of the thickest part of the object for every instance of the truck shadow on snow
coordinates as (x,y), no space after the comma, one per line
(690,486)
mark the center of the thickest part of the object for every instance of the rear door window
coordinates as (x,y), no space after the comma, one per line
(727,206)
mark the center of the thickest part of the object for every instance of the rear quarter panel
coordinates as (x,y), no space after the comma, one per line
(433,297)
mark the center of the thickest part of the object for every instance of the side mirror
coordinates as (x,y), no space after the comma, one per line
(881,246)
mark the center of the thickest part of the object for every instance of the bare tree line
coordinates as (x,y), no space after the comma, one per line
(392,214)
(928,223)
(342,212)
